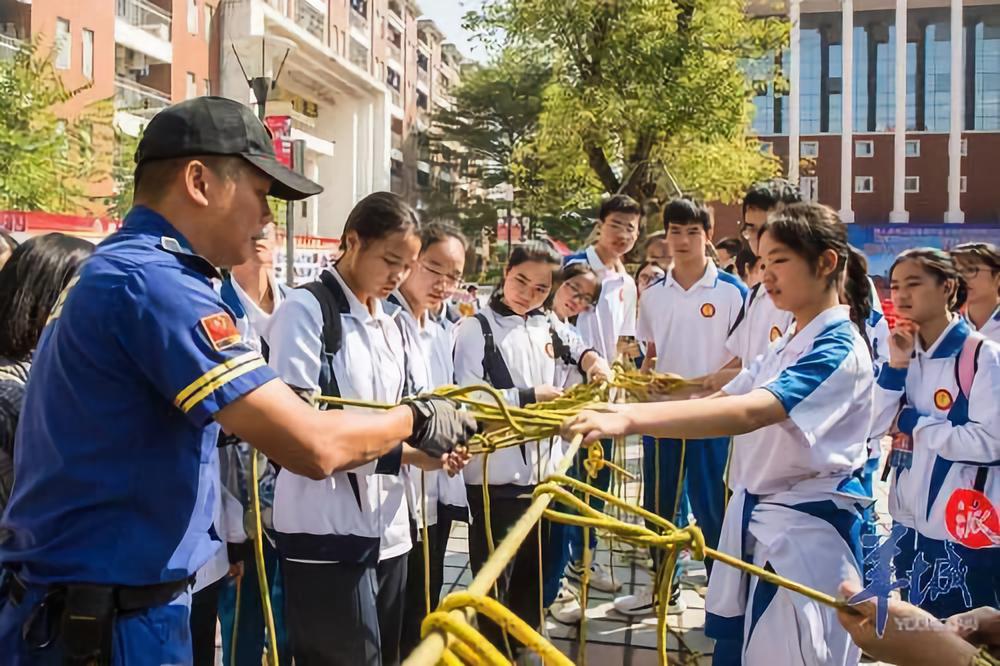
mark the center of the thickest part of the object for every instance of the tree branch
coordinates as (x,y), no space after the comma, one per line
(599,164)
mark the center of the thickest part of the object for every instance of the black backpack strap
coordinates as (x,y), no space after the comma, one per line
(745,308)
(495,369)
(560,350)
(333,303)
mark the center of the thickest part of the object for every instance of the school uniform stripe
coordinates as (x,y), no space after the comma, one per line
(233,374)
(209,377)
(798,382)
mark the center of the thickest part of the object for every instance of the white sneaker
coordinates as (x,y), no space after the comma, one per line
(566,608)
(641,603)
(599,579)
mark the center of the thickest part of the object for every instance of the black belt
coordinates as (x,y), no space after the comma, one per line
(127,599)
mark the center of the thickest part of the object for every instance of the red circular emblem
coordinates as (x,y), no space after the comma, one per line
(943,399)
(971,519)
(707,310)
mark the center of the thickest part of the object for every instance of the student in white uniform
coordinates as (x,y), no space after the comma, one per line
(579,289)
(508,345)
(760,323)
(428,342)
(343,540)
(979,266)
(253,295)
(684,321)
(802,415)
(607,327)
(940,388)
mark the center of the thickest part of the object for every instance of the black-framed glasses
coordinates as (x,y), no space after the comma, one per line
(969,272)
(446,278)
(581,297)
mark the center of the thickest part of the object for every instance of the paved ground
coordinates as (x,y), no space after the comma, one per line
(613,638)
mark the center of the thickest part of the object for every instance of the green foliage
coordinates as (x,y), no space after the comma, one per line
(122,171)
(640,89)
(46,162)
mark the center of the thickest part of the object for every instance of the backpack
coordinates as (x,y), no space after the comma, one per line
(495,369)
(965,374)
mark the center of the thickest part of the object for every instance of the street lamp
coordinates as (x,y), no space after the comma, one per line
(257,57)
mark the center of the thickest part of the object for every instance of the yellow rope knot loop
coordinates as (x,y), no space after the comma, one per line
(595,460)
(697,541)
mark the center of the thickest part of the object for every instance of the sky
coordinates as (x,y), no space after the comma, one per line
(448,16)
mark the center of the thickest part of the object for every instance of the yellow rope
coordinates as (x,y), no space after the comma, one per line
(265,596)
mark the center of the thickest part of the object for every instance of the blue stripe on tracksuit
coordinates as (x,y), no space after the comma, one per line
(703,475)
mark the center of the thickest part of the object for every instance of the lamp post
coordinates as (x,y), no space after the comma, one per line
(261,83)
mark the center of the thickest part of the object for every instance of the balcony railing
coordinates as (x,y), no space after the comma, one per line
(9,46)
(146,16)
(312,21)
(134,97)
(359,20)
(394,51)
(397,97)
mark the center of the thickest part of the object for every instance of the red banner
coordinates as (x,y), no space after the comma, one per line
(39,221)
(281,132)
(515,231)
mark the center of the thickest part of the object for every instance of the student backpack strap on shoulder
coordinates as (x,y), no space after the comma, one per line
(560,350)
(495,369)
(965,373)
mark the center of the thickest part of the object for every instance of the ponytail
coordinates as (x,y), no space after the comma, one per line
(858,291)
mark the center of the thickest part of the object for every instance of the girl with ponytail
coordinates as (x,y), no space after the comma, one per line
(937,396)
(801,414)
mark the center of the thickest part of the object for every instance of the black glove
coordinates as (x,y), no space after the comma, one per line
(438,426)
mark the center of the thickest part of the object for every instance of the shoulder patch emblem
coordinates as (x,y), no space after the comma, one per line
(943,399)
(775,333)
(221,330)
(707,310)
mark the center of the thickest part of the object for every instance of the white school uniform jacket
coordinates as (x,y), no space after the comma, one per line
(352,516)
(428,356)
(690,327)
(568,371)
(991,329)
(795,489)
(614,314)
(526,346)
(759,324)
(953,435)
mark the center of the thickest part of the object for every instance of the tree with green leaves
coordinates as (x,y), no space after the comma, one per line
(644,94)
(47,162)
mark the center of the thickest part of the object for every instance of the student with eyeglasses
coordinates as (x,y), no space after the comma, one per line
(979,266)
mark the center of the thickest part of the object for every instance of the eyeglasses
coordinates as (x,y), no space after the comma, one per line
(446,278)
(747,230)
(969,272)
(580,297)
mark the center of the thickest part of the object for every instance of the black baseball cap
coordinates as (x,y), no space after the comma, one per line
(219,126)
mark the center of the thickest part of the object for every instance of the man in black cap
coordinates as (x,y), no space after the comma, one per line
(139,365)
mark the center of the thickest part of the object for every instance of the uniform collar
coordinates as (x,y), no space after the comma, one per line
(827,319)
(708,278)
(949,343)
(356,308)
(995,316)
(147,222)
(602,269)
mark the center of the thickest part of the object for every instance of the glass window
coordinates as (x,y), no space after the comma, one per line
(392,78)
(836,87)
(885,73)
(422,101)
(987,78)
(810,73)
(913,148)
(208,23)
(911,184)
(88,54)
(864,184)
(809,186)
(192,86)
(64,44)
(809,149)
(192,17)
(422,60)
(208,87)
(864,148)
(861,80)
(937,84)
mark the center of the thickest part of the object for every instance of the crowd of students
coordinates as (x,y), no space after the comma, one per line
(774,455)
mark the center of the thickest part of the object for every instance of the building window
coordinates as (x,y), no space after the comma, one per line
(809,186)
(88,54)
(422,100)
(864,148)
(961,184)
(423,178)
(423,62)
(810,73)
(911,184)
(208,23)
(192,16)
(964,147)
(392,78)
(864,184)
(360,6)
(192,86)
(809,149)
(937,77)
(208,87)
(913,147)
(64,44)
(986,105)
